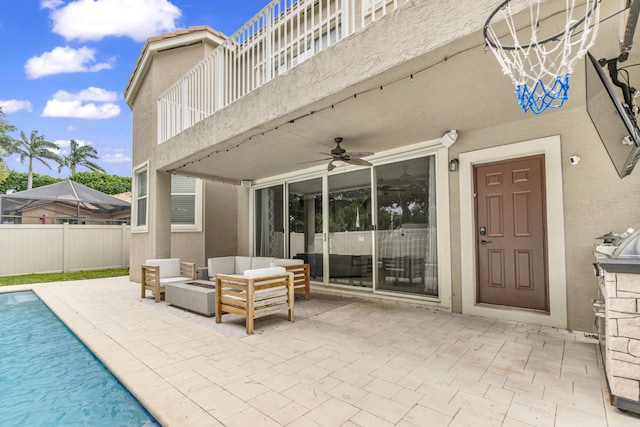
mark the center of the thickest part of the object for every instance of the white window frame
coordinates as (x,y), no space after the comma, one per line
(197,226)
(135,227)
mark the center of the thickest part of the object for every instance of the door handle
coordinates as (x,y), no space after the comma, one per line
(484,242)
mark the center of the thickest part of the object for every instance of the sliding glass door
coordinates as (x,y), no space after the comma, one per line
(305,225)
(350,247)
(269,225)
(329,223)
(406,232)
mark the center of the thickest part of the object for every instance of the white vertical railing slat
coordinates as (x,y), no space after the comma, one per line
(281,36)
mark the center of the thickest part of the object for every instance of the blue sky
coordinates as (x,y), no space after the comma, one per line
(65,65)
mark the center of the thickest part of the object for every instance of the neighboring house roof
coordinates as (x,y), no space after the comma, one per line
(153,45)
(124,196)
(68,192)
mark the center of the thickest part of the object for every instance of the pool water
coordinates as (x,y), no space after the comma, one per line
(48,377)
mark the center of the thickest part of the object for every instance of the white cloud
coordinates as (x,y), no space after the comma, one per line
(115,158)
(64,143)
(69,105)
(96,19)
(75,109)
(64,60)
(50,4)
(89,94)
(14,105)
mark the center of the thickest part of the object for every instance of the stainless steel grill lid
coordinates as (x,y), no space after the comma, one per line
(627,246)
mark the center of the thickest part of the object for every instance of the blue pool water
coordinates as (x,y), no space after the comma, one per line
(49,378)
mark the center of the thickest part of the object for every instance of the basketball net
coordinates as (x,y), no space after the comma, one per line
(539,58)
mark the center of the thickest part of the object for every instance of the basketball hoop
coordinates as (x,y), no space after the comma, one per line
(540,66)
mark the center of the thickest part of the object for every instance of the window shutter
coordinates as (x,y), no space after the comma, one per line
(183,200)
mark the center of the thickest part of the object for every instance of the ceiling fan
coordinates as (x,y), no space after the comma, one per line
(340,156)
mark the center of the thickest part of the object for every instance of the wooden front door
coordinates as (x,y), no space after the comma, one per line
(510,233)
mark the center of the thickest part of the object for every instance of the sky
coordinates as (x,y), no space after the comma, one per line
(64,66)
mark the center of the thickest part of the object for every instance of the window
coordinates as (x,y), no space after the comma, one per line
(185,203)
(141,200)
(183,200)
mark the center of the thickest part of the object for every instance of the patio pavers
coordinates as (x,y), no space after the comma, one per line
(343,362)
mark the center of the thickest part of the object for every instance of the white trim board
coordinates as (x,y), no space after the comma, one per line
(550,147)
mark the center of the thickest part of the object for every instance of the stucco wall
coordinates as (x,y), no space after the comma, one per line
(345,66)
(158,242)
(596,200)
(221,219)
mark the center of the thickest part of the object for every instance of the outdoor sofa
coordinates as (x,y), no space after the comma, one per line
(239,264)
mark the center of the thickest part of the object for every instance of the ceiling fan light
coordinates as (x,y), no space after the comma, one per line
(339,163)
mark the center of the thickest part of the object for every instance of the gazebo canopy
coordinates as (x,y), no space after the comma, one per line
(68,192)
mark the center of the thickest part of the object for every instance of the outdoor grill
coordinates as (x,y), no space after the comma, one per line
(617,314)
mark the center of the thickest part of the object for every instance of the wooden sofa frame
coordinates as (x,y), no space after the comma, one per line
(253,298)
(301,279)
(151,280)
(302,272)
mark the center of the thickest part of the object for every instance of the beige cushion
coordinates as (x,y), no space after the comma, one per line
(221,265)
(242,263)
(265,272)
(169,267)
(261,262)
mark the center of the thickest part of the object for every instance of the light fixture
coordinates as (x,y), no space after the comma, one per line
(338,163)
(453,165)
(449,138)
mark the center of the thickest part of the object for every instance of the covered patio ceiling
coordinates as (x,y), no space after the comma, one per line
(457,86)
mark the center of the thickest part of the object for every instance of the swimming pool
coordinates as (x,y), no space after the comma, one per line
(48,377)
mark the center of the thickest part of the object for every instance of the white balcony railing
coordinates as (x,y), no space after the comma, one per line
(281,36)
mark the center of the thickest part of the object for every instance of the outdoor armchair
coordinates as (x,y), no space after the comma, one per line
(156,273)
(256,293)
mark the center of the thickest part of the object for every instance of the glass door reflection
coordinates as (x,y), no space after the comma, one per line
(305,225)
(350,236)
(269,223)
(406,233)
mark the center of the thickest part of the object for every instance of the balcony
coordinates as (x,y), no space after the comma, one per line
(280,37)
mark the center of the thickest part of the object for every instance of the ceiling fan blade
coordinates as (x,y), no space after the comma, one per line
(359,162)
(360,154)
(331,166)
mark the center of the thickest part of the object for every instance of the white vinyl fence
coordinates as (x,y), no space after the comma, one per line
(48,248)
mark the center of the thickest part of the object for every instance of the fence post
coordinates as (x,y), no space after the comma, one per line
(123,246)
(66,248)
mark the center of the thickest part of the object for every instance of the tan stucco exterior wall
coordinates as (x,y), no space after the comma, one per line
(158,241)
(595,199)
(221,219)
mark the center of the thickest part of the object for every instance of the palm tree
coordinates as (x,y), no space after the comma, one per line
(5,145)
(79,156)
(5,140)
(34,148)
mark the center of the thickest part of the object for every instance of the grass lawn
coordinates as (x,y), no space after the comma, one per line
(27,279)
